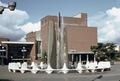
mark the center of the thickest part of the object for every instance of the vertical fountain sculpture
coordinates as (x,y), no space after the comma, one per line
(59,53)
(63,47)
(57,47)
(61,43)
(51,60)
(65,55)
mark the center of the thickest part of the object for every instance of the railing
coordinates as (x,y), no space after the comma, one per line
(34,68)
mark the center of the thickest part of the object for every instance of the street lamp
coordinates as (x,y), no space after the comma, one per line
(23,51)
(1,9)
(11,6)
(2,50)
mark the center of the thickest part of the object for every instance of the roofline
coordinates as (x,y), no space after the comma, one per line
(63,16)
(15,42)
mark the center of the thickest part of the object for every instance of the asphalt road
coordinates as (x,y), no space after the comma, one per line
(113,75)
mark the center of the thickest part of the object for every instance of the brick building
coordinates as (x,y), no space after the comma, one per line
(34,37)
(80,37)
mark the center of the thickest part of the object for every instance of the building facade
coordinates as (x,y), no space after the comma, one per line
(36,49)
(14,51)
(80,37)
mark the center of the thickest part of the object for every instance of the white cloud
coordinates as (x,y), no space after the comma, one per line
(10,24)
(108,25)
(30,27)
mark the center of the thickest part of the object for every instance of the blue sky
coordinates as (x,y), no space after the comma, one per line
(40,8)
(103,14)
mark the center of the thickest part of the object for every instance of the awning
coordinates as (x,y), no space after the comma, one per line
(80,52)
(14,42)
(22,59)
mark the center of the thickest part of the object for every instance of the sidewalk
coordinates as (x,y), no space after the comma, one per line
(113,75)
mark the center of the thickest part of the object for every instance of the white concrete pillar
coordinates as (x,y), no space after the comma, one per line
(87,58)
(80,58)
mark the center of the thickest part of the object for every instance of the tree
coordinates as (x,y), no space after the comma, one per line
(110,50)
(44,56)
(104,51)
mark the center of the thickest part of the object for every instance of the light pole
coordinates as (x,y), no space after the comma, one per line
(23,51)
(2,50)
(11,6)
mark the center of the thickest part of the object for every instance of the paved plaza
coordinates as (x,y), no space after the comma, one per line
(113,75)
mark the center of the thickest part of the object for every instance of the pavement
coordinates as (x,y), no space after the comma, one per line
(113,75)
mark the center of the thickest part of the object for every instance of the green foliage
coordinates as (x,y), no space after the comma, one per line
(44,56)
(104,51)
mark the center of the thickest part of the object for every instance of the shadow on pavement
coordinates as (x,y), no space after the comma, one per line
(5,80)
(99,77)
